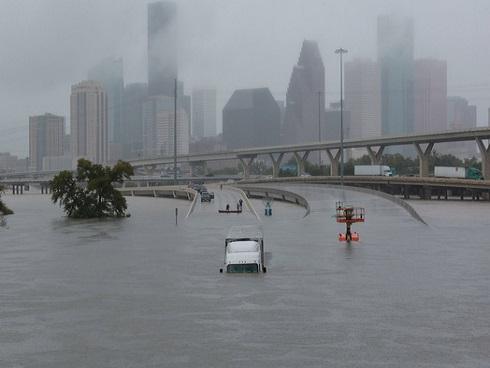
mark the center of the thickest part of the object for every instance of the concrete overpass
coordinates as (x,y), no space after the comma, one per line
(406,186)
(423,143)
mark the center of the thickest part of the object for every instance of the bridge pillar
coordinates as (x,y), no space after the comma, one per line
(424,155)
(300,162)
(485,158)
(375,156)
(334,162)
(246,165)
(276,164)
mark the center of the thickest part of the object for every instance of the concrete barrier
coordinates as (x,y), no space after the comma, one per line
(177,192)
(276,194)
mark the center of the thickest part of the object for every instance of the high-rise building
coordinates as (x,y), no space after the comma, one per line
(109,73)
(187,106)
(162,48)
(305,98)
(203,113)
(158,127)
(135,95)
(363,98)
(395,59)
(88,122)
(46,134)
(332,123)
(460,115)
(251,118)
(430,95)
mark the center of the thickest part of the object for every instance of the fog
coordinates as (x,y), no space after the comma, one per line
(48,45)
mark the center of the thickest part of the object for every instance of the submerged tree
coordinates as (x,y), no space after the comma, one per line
(4,210)
(90,193)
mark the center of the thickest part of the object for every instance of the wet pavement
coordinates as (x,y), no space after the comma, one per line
(142,292)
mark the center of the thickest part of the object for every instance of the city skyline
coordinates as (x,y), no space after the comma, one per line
(14,127)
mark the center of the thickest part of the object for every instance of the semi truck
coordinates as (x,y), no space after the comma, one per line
(457,172)
(373,170)
(244,250)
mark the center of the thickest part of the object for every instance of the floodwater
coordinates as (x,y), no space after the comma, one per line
(143,292)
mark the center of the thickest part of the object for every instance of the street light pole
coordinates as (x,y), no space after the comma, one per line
(319,129)
(341,51)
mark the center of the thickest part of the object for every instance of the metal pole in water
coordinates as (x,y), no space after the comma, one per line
(176,215)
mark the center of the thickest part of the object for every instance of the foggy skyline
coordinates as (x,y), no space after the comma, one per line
(49,45)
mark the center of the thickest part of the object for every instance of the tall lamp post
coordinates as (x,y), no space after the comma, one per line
(341,51)
(319,129)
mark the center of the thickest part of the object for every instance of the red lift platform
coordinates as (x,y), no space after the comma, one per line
(349,215)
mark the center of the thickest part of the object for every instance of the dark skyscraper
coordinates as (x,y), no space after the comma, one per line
(162,48)
(395,58)
(251,118)
(132,128)
(305,99)
(109,72)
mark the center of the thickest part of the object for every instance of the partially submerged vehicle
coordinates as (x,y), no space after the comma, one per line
(244,250)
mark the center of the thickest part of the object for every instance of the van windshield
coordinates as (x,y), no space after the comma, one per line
(242,268)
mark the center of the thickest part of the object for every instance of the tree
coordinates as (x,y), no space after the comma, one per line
(90,193)
(4,210)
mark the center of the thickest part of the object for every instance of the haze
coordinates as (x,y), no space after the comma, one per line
(48,45)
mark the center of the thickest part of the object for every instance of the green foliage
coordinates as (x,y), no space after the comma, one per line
(90,193)
(4,210)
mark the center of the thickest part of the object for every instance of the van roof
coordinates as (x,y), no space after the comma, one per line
(245,231)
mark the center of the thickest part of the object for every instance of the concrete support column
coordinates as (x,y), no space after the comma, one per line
(300,162)
(424,155)
(374,155)
(276,164)
(246,165)
(334,162)
(485,158)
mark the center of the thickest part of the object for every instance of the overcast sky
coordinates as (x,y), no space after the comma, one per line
(48,45)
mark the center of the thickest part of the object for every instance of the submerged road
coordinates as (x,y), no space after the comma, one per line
(142,292)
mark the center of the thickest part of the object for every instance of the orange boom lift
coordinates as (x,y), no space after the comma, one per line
(348,215)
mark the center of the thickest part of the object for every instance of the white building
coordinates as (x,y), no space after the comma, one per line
(158,128)
(203,113)
(89,124)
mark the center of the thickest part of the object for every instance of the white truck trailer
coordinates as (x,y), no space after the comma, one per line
(457,172)
(244,250)
(372,170)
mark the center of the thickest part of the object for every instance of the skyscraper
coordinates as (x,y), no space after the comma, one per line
(203,113)
(251,118)
(88,121)
(460,115)
(162,48)
(46,134)
(395,58)
(430,95)
(109,73)
(305,98)
(135,95)
(363,98)
(158,127)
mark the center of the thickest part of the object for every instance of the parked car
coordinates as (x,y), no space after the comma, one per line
(205,197)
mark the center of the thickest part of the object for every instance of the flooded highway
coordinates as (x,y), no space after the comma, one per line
(143,292)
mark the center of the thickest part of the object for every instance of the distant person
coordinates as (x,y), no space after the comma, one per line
(241,203)
(221,187)
(227,207)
